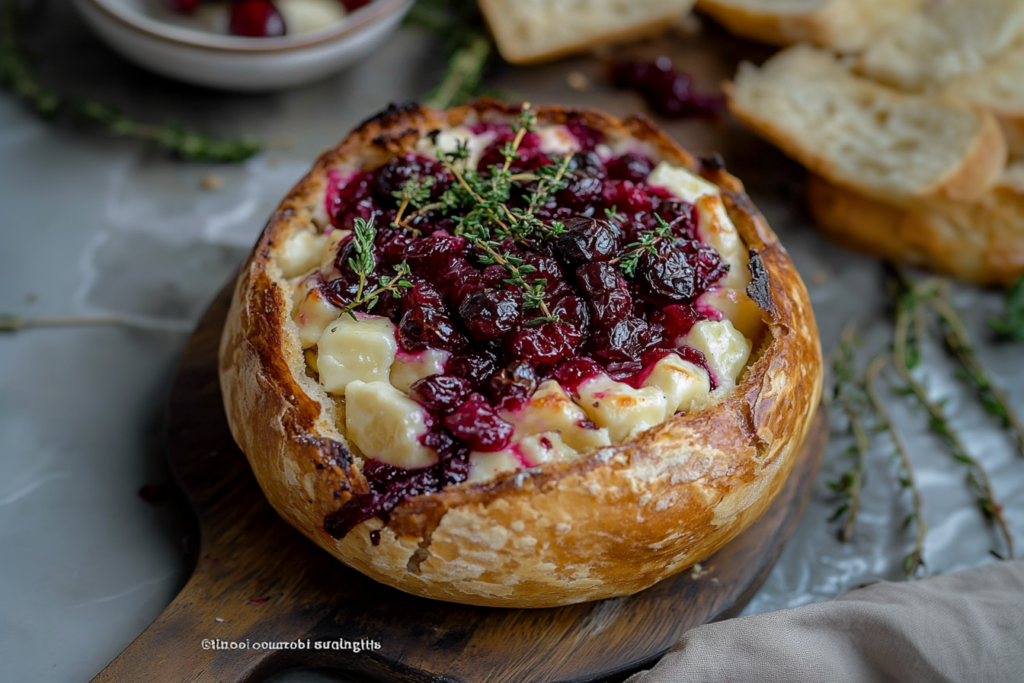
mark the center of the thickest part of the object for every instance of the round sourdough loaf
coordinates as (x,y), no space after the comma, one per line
(610,523)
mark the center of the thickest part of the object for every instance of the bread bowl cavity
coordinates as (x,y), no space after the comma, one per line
(587,501)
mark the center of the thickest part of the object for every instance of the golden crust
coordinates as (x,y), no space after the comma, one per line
(608,524)
(842,25)
(981,241)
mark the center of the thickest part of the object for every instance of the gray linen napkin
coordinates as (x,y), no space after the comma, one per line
(965,627)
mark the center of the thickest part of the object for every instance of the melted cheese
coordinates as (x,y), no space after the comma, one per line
(300,253)
(724,347)
(387,425)
(680,182)
(621,409)
(734,305)
(313,313)
(449,139)
(351,350)
(409,368)
(484,466)
(557,140)
(334,239)
(538,449)
(681,381)
(551,410)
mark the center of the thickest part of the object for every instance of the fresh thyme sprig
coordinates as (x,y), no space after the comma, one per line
(415,192)
(16,76)
(958,343)
(914,560)
(645,242)
(849,393)
(908,311)
(533,292)
(1011,326)
(363,263)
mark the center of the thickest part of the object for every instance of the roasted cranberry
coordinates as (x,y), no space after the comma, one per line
(512,385)
(676,321)
(343,196)
(586,240)
(432,254)
(572,372)
(184,6)
(424,327)
(573,311)
(353,5)
(390,178)
(606,291)
(542,345)
(478,424)
(681,217)
(624,341)
(666,275)
(439,439)
(256,19)
(442,393)
(625,195)
(476,367)
(707,264)
(586,135)
(632,167)
(421,295)
(458,279)
(667,91)
(489,313)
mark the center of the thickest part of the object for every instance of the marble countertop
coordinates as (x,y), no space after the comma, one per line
(96,225)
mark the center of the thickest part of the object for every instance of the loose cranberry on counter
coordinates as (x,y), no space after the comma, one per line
(256,19)
(667,91)
(478,424)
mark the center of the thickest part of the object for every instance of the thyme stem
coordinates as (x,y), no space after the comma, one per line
(861,438)
(977,476)
(914,560)
(465,69)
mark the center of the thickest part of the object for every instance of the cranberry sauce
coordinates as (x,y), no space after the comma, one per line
(669,92)
(599,314)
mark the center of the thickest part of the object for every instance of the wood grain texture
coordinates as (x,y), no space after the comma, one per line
(268,583)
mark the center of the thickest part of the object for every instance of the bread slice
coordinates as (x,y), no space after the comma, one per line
(530,31)
(843,25)
(981,241)
(999,85)
(950,39)
(866,137)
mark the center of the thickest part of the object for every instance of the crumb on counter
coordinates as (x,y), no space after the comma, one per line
(577,80)
(211,182)
(819,277)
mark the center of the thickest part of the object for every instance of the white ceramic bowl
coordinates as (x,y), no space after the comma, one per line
(236,63)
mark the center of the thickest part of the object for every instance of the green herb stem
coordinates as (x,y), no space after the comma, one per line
(465,70)
(913,560)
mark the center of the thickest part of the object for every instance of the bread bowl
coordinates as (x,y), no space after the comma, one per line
(609,496)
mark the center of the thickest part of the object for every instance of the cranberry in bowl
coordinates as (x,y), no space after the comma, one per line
(247,45)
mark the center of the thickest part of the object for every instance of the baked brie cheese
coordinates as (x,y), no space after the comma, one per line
(518,357)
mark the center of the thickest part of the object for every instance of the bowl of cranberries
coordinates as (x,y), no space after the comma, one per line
(518,357)
(247,45)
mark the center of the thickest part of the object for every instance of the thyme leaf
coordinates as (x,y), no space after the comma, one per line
(1011,326)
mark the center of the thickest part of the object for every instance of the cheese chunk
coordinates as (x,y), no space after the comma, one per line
(724,347)
(681,381)
(551,410)
(449,139)
(300,253)
(387,425)
(557,140)
(409,368)
(723,302)
(330,252)
(484,466)
(313,313)
(350,350)
(621,409)
(538,449)
(680,182)
(309,16)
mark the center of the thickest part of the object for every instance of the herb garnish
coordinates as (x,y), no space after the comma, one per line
(646,242)
(16,76)
(1011,326)
(850,394)
(363,263)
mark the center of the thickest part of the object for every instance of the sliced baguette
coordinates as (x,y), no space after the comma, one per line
(981,241)
(843,25)
(530,31)
(999,85)
(866,137)
(950,39)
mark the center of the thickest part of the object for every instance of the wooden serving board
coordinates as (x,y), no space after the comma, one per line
(259,580)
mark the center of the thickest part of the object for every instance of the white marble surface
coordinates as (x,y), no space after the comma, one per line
(90,225)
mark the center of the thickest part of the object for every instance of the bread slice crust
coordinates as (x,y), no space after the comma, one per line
(611,523)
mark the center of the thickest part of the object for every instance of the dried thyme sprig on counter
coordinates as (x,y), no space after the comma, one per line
(913,561)
(958,343)
(460,25)
(1011,326)
(849,393)
(13,323)
(909,312)
(16,76)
